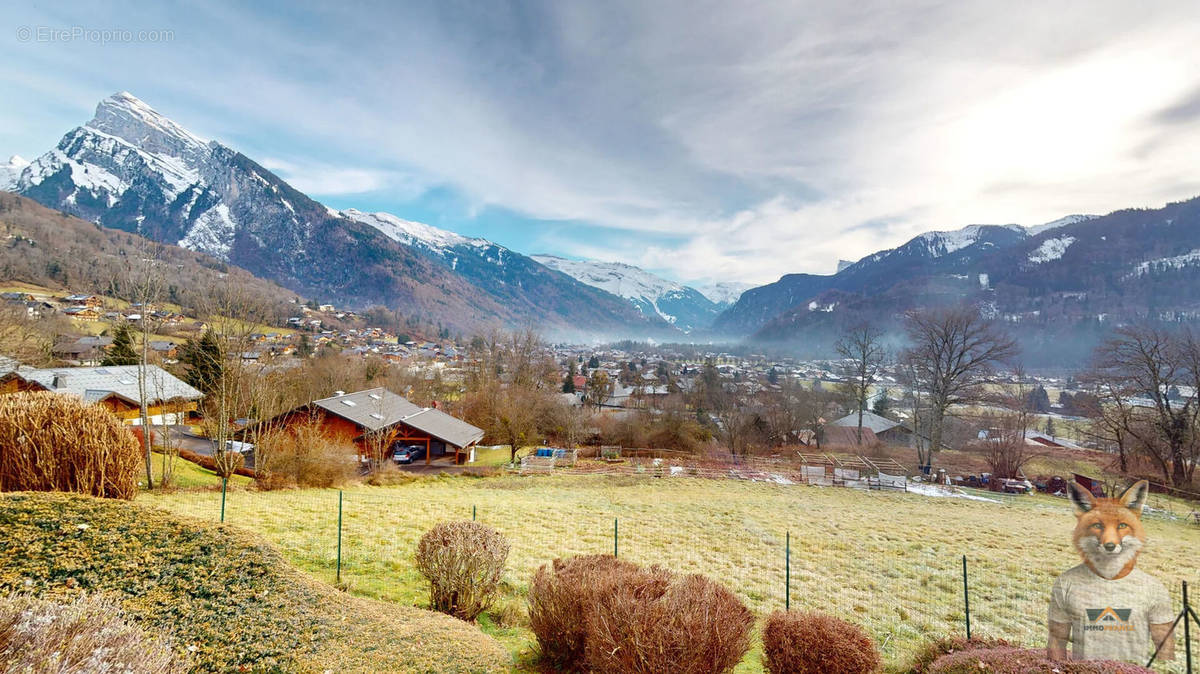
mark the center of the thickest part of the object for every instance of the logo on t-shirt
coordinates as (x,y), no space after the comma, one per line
(1108,619)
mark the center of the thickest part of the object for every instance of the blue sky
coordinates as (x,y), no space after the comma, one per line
(707,141)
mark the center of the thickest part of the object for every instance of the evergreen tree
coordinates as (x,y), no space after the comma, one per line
(202,362)
(304,347)
(121,352)
(1050,430)
(883,404)
(568,385)
(1039,400)
(773,376)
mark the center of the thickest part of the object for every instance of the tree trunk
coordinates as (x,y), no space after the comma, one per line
(860,416)
(935,440)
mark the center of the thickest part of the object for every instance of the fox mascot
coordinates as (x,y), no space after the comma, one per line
(1105,607)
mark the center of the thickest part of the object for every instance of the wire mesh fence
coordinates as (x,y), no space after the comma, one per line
(900,587)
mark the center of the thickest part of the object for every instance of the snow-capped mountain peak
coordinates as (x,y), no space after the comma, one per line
(11,171)
(944,243)
(618,278)
(127,117)
(1034,230)
(679,305)
(725,293)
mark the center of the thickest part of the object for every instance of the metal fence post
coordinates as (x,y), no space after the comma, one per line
(339,557)
(787,572)
(224,484)
(615,537)
(472,513)
(966,597)
(1187,633)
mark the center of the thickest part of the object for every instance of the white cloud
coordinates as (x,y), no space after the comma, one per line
(317,180)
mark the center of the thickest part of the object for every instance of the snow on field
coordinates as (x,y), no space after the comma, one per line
(944,492)
(1051,249)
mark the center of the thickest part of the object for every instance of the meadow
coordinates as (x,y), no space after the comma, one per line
(887,560)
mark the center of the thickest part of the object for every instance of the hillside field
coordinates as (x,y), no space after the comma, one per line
(890,561)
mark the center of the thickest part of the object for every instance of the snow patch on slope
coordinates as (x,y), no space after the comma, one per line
(1165,263)
(1034,230)
(1051,249)
(413,233)
(213,233)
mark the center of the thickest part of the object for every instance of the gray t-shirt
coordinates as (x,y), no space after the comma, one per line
(1110,619)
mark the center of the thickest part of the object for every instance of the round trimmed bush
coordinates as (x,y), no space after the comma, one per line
(597,613)
(797,642)
(53,442)
(463,562)
(1013,660)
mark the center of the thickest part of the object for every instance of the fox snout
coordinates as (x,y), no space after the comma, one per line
(1110,546)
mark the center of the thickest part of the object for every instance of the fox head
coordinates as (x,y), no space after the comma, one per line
(1108,531)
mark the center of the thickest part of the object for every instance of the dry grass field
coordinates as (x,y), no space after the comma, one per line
(889,561)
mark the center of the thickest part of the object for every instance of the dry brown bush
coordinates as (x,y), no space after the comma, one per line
(463,562)
(52,442)
(88,635)
(811,643)
(598,613)
(696,626)
(303,456)
(561,595)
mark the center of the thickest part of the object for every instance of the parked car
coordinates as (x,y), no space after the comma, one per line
(408,454)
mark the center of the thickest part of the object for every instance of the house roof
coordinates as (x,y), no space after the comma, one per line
(378,408)
(96,383)
(870,420)
(846,436)
(444,427)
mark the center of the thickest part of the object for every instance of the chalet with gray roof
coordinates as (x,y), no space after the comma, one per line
(381,418)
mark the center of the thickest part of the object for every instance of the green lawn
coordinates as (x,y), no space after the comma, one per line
(889,561)
(187,475)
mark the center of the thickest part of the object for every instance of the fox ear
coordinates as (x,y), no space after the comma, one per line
(1135,497)
(1080,497)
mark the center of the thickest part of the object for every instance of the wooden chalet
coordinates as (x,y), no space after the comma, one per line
(113,387)
(379,416)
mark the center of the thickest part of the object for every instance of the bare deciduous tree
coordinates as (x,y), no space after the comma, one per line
(863,353)
(951,350)
(1135,371)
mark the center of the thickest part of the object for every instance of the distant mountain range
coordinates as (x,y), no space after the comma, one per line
(1072,277)
(689,309)
(133,169)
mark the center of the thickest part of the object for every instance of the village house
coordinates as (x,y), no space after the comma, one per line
(379,417)
(83,313)
(83,300)
(885,430)
(168,399)
(83,351)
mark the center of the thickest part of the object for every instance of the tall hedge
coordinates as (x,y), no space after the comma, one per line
(54,442)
